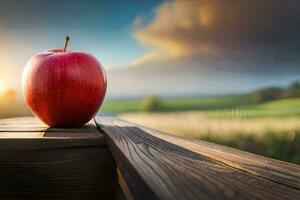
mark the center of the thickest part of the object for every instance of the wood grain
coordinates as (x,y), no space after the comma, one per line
(29,133)
(38,162)
(49,143)
(73,173)
(31,124)
(278,171)
(122,183)
(156,169)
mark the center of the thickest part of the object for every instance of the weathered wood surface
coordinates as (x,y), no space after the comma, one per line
(30,124)
(278,171)
(154,165)
(37,162)
(29,133)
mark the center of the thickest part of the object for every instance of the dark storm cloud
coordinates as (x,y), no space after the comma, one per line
(213,47)
(233,29)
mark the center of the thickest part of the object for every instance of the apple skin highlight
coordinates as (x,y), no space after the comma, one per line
(64,89)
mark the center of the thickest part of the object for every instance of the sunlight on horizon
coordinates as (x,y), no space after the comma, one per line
(2,87)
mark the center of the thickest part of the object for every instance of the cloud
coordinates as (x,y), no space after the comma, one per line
(256,29)
(213,47)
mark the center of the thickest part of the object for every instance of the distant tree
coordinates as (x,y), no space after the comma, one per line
(293,90)
(150,103)
(267,94)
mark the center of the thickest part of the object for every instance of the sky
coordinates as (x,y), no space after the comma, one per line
(156,47)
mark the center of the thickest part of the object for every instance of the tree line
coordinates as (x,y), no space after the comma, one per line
(275,93)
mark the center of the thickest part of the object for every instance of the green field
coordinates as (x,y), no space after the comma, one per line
(180,104)
(278,108)
(119,106)
(282,145)
(238,106)
(286,107)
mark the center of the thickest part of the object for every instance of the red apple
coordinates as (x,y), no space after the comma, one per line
(64,88)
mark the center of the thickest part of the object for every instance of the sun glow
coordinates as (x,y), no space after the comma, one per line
(2,87)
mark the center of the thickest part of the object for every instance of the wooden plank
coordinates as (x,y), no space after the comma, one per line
(37,162)
(49,143)
(278,171)
(156,169)
(26,124)
(275,170)
(73,173)
(29,133)
(122,183)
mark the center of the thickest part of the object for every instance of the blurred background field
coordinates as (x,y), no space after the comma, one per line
(278,100)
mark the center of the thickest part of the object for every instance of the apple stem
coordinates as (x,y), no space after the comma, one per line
(67,38)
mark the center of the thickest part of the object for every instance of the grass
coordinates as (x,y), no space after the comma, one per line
(277,145)
(235,106)
(180,104)
(278,108)
(205,103)
(282,108)
(119,106)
